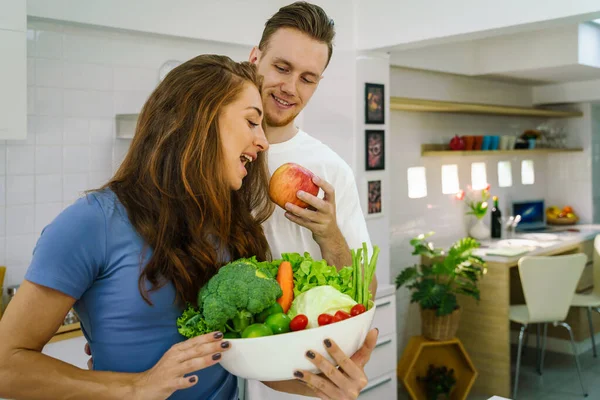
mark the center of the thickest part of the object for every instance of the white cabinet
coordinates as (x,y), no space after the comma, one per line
(381,369)
(13,15)
(13,84)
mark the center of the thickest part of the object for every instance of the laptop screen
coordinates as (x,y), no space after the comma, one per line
(532,213)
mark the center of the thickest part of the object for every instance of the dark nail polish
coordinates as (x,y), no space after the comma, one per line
(218,335)
(193,379)
(310,354)
(327,343)
(377,330)
(298,374)
(216,356)
(225,345)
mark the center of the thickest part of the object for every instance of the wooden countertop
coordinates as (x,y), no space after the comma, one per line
(561,241)
(67,332)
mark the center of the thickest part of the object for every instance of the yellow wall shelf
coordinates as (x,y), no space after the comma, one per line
(422,105)
(420,353)
(442,150)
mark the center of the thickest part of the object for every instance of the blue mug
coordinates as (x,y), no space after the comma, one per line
(485,145)
(495,142)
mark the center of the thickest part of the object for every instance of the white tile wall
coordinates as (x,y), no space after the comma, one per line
(78,78)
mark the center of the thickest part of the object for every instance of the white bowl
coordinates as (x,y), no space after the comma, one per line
(275,358)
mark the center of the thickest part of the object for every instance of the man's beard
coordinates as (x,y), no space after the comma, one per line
(280,123)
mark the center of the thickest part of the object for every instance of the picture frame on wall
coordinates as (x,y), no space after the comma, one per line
(374,103)
(374,150)
(374,198)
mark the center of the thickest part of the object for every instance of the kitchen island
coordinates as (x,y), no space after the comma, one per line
(485,329)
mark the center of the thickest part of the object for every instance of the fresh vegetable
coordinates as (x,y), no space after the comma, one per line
(231,335)
(357,310)
(341,315)
(285,278)
(320,300)
(256,330)
(237,292)
(309,273)
(279,323)
(363,273)
(325,319)
(299,323)
(274,309)
(191,323)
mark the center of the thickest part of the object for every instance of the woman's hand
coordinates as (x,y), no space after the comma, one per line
(168,375)
(343,383)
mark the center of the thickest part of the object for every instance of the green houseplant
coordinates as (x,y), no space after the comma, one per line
(438,382)
(436,283)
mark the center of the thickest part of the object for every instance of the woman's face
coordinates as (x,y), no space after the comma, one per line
(242,135)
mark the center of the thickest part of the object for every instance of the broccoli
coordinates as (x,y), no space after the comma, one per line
(235,294)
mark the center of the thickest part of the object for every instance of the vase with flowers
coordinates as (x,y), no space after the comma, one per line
(477,205)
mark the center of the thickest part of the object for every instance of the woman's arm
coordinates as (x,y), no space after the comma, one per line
(32,319)
(29,323)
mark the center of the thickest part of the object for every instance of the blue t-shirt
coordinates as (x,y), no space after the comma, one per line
(92,253)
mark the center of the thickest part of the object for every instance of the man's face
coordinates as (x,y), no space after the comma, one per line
(291,65)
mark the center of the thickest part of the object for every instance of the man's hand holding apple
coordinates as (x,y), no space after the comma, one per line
(295,189)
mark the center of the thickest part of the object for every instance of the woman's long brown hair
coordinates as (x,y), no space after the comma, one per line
(172,182)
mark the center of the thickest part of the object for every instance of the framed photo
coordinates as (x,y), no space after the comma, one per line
(375,150)
(374,199)
(374,104)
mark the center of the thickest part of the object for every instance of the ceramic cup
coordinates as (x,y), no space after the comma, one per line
(469,142)
(504,141)
(485,145)
(494,142)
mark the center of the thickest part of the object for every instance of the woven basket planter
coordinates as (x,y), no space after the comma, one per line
(439,328)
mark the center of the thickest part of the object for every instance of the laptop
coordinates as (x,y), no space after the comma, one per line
(533,215)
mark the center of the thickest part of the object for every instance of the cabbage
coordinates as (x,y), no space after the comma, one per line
(320,300)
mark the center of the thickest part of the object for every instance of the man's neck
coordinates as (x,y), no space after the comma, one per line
(280,134)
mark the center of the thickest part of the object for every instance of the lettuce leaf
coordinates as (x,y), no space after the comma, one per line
(309,273)
(191,323)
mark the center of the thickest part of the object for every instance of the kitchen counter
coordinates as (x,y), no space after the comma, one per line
(485,329)
(559,240)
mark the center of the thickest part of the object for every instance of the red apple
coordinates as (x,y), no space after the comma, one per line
(287,180)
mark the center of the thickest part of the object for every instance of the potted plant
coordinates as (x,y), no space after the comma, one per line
(436,284)
(438,382)
(477,204)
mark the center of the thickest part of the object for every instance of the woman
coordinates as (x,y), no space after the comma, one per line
(129,256)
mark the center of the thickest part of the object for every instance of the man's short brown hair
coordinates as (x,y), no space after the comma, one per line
(305,17)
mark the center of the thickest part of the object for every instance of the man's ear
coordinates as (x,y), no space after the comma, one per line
(254,55)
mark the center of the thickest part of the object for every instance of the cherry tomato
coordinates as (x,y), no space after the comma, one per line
(341,315)
(325,319)
(299,323)
(357,310)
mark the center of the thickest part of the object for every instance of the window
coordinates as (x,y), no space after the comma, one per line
(450,184)
(478,176)
(504,174)
(527,172)
(417,183)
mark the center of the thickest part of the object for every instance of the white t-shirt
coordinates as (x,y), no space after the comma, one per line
(284,236)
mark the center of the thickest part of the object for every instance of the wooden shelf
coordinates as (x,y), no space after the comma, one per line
(441,150)
(422,105)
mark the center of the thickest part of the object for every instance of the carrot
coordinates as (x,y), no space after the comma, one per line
(285,278)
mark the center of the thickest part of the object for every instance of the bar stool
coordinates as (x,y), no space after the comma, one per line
(548,285)
(591,301)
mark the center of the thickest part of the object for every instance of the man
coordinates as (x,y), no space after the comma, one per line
(294,50)
(292,55)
